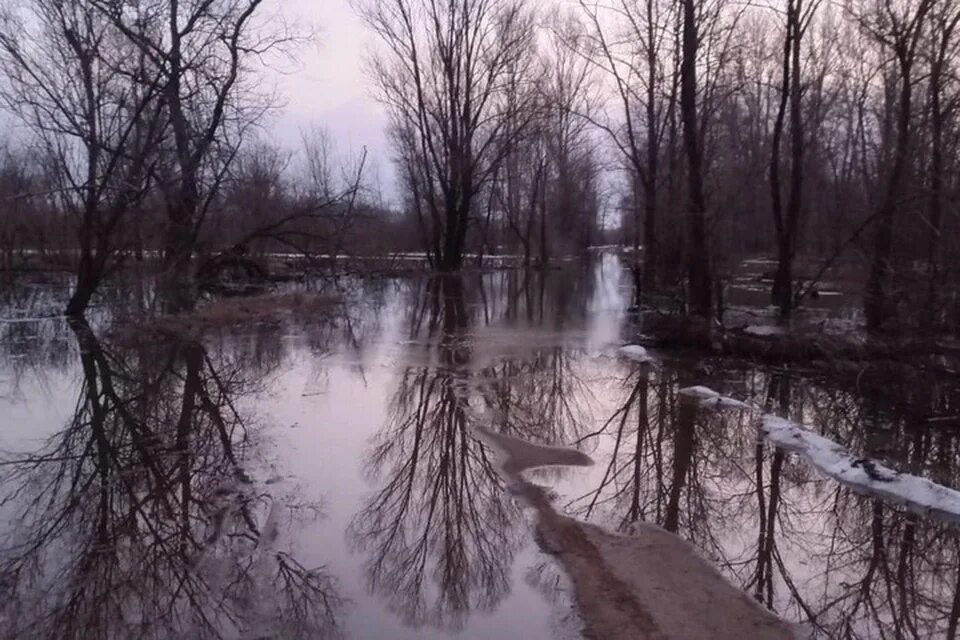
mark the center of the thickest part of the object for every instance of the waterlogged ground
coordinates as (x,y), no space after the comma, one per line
(318,472)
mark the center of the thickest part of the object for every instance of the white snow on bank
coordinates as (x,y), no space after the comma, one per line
(763,330)
(710,399)
(636,353)
(35,319)
(860,473)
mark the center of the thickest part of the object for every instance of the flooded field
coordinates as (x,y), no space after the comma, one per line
(320,472)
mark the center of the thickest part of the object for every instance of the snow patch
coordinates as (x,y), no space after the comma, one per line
(862,474)
(710,399)
(763,330)
(636,353)
(29,319)
(518,455)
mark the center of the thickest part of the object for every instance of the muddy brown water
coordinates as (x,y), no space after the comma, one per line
(322,476)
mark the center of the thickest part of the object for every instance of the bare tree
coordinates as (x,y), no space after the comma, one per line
(24,208)
(944,49)
(207,51)
(628,41)
(698,252)
(90,100)
(899,27)
(787,223)
(546,189)
(569,93)
(441,75)
(518,188)
(265,201)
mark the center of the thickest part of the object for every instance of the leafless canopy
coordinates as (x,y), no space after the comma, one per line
(442,71)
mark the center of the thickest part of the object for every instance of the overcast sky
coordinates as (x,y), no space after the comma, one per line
(328,87)
(325,88)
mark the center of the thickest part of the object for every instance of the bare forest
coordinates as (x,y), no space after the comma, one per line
(693,134)
(480,319)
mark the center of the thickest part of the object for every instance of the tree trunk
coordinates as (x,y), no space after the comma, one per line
(544,252)
(651,249)
(783,279)
(87,281)
(787,223)
(795,202)
(936,172)
(182,211)
(455,236)
(651,256)
(876,300)
(877,307)
(698,255)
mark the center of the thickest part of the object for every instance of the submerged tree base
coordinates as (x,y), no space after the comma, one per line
(775,345)
(892,370)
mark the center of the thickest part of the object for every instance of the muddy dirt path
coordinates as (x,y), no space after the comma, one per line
(651,585)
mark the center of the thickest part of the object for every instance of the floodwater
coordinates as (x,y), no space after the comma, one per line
(321,475)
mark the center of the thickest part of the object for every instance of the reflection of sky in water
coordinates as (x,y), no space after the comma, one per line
(611,291)
(369,414)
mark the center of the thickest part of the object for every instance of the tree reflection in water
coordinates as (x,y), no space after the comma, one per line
(148,516)
(849,565)
(144,517)
(441,532)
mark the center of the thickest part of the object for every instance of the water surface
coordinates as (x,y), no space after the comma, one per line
(320,475)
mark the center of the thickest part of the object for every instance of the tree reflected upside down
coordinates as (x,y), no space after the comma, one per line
(847,564)
(440,533)
(150,515)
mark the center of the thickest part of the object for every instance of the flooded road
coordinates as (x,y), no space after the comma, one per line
(321,474)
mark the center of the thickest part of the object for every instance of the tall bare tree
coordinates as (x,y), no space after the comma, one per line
(629,42)
(897,26)
(90,101)
(787,222)
(441,73)
(546,190)
(698,252)
(207,51)
(944,48)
